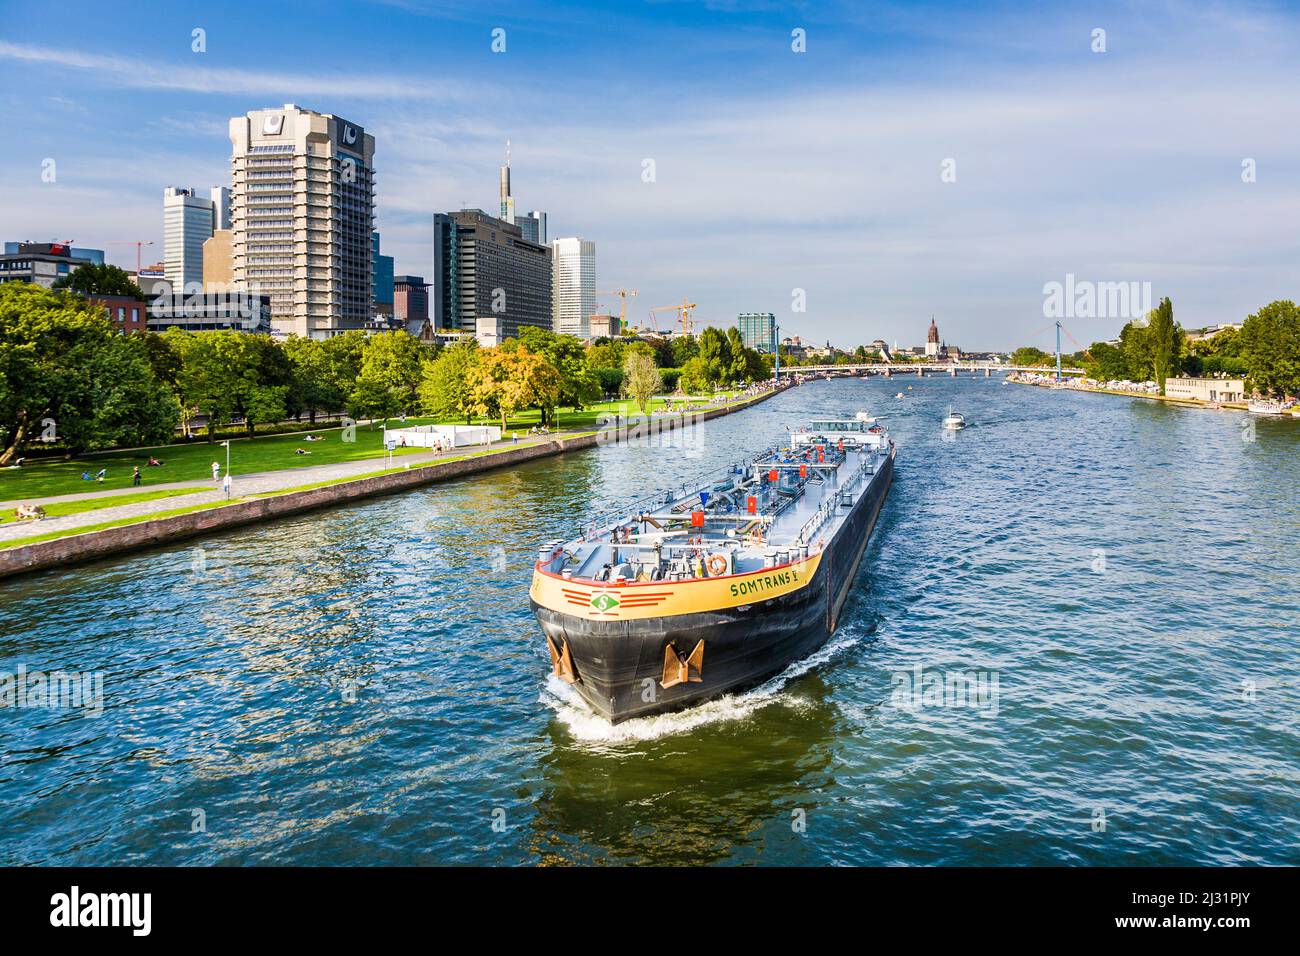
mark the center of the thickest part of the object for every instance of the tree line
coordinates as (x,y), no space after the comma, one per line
(69,379)
(1265,351)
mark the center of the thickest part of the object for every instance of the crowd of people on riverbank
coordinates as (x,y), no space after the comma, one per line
(1085,384)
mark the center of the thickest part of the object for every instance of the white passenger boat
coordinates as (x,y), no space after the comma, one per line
(1267,406)
(954,421)
(844,432)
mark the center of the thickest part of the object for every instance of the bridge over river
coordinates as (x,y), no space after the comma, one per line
(953,369)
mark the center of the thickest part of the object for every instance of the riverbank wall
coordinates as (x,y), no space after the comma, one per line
(92,545)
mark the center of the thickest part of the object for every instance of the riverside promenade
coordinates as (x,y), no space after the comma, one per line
(259,497)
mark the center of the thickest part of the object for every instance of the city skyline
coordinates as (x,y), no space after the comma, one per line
(817,171)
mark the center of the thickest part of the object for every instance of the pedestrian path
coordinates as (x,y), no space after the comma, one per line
(263,483)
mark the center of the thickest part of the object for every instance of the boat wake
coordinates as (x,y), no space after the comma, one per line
(591,728)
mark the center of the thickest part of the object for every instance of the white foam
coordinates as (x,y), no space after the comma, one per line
(589,727)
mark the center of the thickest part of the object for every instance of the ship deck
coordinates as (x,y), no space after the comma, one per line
(792,517)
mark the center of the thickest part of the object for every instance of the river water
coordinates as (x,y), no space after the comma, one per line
(1073,640)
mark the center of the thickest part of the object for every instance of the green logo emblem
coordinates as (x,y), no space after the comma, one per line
(604,602)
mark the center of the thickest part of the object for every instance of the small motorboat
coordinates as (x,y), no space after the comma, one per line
(900,395)
(954,421)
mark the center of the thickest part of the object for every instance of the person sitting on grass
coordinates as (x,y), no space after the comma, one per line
(154,462)
(301,451)
(85,476)
(101,474)
(30,512)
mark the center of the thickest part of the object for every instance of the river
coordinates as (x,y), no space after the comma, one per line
(1113,581)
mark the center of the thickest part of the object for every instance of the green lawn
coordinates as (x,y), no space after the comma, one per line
(42,479)
(587,415)
(189,462)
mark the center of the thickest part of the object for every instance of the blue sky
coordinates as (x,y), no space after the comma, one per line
(774,170)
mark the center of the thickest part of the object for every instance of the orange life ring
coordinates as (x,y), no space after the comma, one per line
(717,565)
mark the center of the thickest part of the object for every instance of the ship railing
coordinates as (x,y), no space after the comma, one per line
(603,520)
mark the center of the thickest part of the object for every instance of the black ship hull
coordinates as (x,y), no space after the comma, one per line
(619,664)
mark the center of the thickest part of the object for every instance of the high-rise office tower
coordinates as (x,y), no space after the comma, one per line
(410,299)
(575,286)
(507,201)
(221,206)
(302,213)
(758,330)
(383,280)
(488,279)
(533,226)
(187,223)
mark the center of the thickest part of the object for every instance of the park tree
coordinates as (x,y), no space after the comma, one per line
(67,376)
(505,381)
(738,368)
(695,376)
(1270,347)
(1136,346)
(99,279)
(716,353)
(579,386)
(1214,354)
(444,389)
(313,387)
(1106,362)
(605,353)
(389,377)
(641,379)
(684,348)
(1164,338)
(1028,355)
(227,374)
(344,352)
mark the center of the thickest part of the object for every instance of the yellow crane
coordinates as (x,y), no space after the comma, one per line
(684,315)
(623,295)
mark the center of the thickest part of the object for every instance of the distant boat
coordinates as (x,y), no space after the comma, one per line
(1266,406)
(954,421)
(901,395)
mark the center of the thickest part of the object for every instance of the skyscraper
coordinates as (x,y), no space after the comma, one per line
(758,331)
(221,206)
(383,280)
(575,286)
(507,201)
(488,279)
(533,226)
(187,223)
(302,214)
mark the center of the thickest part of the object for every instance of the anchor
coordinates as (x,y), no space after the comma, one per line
(681,670)
(562,662)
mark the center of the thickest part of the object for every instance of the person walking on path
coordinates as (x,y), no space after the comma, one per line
(136,477)
(516,437)
(225,484)
(216,471)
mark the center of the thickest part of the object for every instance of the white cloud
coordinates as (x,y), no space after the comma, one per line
(136,73)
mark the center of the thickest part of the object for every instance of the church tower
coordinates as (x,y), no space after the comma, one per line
(932,340)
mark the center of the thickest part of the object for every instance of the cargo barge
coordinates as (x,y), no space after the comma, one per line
(714,587)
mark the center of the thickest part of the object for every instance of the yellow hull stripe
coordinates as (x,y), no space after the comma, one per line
(630,602)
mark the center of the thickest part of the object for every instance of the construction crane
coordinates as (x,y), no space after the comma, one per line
(132,242)
(684,315)
(622,305)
